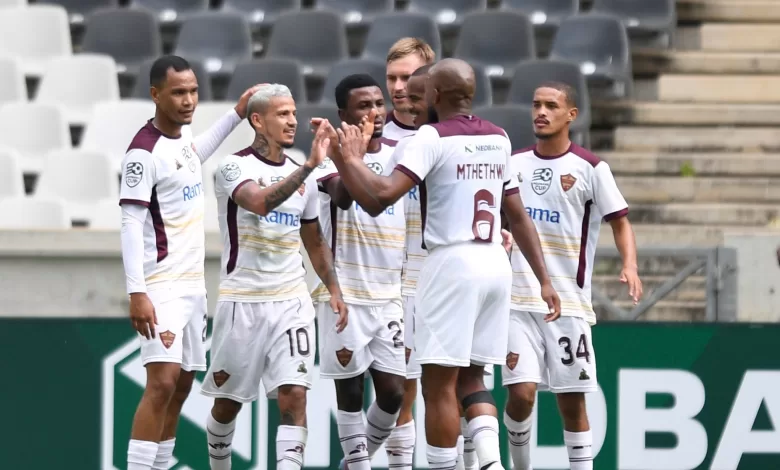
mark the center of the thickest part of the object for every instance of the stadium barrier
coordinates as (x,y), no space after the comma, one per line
(672,396)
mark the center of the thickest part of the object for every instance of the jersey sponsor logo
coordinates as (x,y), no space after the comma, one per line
(230,172)
(413,194)
(544,215)
(282,218)
(375,167)
(567,181)
(134,172)
(541,180)
(190,192)
(389,210)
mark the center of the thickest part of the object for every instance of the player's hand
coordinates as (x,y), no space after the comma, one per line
(340,308)
(367,127)
(243,102)
(351,139)
(507,240)
(553,302)
(142,314)
(630,276)
(320,145)
(314,123)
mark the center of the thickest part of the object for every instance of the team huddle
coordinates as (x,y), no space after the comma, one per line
(440,253)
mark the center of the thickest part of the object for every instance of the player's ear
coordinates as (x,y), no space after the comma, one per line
(155,94)
(573,113)
(343,115)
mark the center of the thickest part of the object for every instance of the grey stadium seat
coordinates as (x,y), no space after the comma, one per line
(515,119)
(348,67)
(304,136)
(544,13)
(171,11)
(356,12)
(78,10)
(390,27)
(598,42)
(317,39)
(483,92)
(648,21)
(261,12)
(220,40)
(497,40)
(284,71)
(141,87)
(130,37)
(447,12)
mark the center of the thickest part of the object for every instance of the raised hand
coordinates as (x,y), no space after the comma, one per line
(320,145)
(351,139)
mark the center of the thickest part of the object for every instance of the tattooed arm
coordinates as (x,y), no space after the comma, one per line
(320,255)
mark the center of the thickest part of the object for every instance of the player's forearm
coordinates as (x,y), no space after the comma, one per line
(132,238)
(625,241)
(351,179)
(321,258)
(268,199)
(210,140)
(527,239)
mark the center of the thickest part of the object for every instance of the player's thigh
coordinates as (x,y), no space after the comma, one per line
(571,360)
(167,345)
(345,354)
(413,369)
(387,345)
(525,361)
(492,316)
(194,338)
(292,346)
(237,351)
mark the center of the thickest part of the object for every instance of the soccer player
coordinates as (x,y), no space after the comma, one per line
(463,292)
(403,58)
(264,324)
(163,250)
(368,250)
(568,191)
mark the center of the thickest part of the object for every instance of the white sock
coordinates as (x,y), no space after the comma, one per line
(459,465)
(220,438)
(469,453)
(352,432)
(484,434)
(164,454)
(290,444)
(442,458)
(400,447)
(579,445)
(519,438)
(380,425)
(141,454)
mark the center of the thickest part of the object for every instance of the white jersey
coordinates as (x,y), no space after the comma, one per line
(368,251)
(261,259)
(395,129)
(567,197)
(460,164)
(164,174)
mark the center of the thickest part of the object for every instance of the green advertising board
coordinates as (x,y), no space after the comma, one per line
(672,396)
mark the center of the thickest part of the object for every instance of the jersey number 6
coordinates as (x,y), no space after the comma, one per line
(484,220)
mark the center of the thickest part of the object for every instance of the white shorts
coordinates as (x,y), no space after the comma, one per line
(463,299)
(558,356)
(373,338)
(180,333)
(413,368)
(272,342)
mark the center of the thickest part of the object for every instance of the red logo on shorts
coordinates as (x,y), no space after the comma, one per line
(167,338)
(408,354)
(344,355)
(220,377)
(511,360)
(567,181)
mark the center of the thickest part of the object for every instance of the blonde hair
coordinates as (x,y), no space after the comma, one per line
(408,46)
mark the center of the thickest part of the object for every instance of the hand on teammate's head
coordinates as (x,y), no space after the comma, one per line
(243,101)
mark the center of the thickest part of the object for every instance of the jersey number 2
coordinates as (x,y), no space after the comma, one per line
(484,220)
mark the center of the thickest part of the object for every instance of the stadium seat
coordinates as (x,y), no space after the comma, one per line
(317,39)
(218,39)
(544,13)
(27,213)
(12,84)
(13,3)
(304,135)
(285,71)
(483,92)
(77,83)
(390,27)
(598,42)
(142,85)
(11,176)
(446,12)
(105,215)
(358,13)
(35,35)
(497,40)
(78,177)
(171,11)
(374,68)
(129,36)
(79,10)
(515,119)
(207,114)
(530,74)
(112,126)
(261,12)
(33,129)
(651,21)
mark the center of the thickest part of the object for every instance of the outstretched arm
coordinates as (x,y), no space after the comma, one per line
(209,141)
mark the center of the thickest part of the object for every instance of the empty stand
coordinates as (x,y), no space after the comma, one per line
(12,3)
(11,176)
(316,38)
(285,71)
(390,27)
(515,119)
(261,12)
(497,40)
(112,126)
(304,135)
(78,10)
(105,215)
(35,35)
(142,85)
(26,213)
(171,11)
(129,36)
(544,13)
(218,39)
(12,85)
(33,129)
(446,12)
(650,21)
(483,91)
(374,68)
(356,12)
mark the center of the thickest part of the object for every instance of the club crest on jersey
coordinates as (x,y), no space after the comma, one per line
(567,181)
(375,167)
(134,172)
(231,172)
(541,180)
(261,182)
(324,163)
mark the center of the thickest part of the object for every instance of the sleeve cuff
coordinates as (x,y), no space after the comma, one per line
(240,185)
(309,221)
(511,191)
(135,202)
(412,175)
(327,177)
(616,215)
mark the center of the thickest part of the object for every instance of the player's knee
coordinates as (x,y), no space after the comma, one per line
(390,392)
(477,398)
(349,394)
(572,407)
(225,410)
(161,385)
(292,404)
(523,395)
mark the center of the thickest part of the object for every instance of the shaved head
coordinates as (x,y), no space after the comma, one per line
(451,85)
